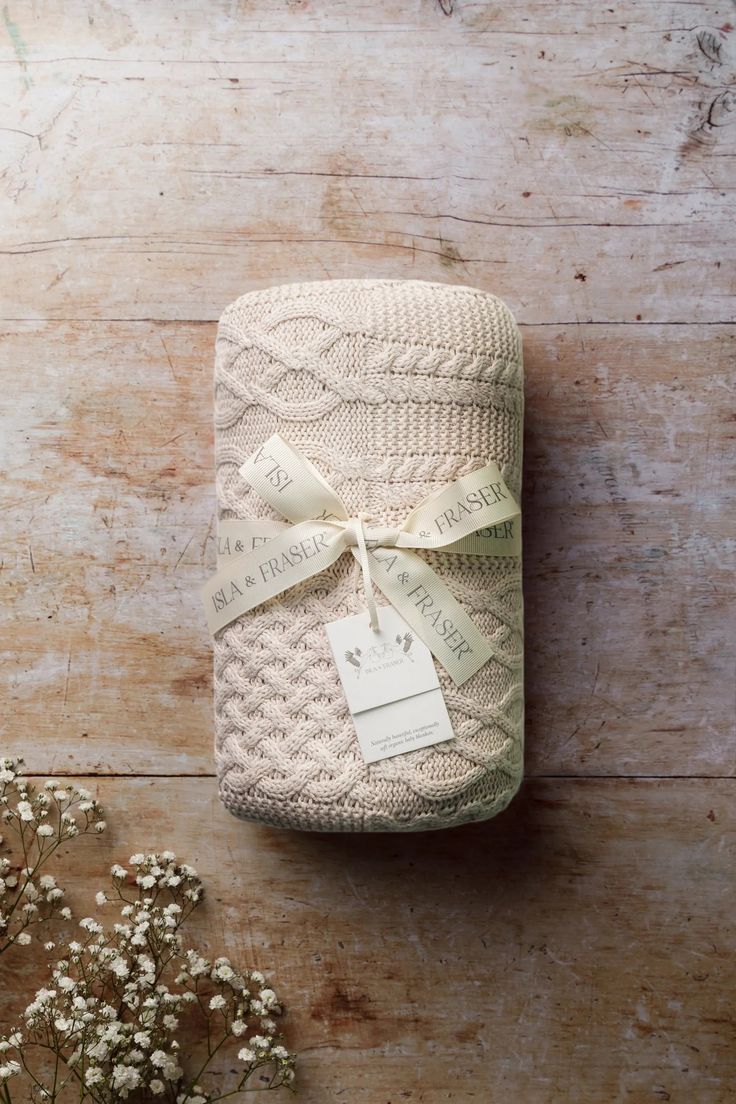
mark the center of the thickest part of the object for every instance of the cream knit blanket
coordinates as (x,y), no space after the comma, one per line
(392,388)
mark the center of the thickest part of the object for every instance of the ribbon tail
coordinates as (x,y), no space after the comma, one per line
(246,581)
(499,540)
(361,554)
(427,605)
(290,483)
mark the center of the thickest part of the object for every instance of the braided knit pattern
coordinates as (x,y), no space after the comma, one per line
(392,388)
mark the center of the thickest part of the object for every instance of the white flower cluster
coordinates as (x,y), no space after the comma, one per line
(7,1069)
(118,995)
(41,821)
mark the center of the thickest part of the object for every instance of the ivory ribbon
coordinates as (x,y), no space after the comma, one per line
(475,515)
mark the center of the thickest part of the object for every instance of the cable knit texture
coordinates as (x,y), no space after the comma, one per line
(392,388)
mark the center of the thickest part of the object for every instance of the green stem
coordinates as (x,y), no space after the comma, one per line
(73,1073)
(56,1073)
(210,1056)
(43,857)
(21,889)
(28,1069)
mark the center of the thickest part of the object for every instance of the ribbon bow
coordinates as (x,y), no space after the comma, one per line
(475,515)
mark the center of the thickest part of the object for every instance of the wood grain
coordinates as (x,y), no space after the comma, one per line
(628,565)
(156,161)
(579,948)
(583,164)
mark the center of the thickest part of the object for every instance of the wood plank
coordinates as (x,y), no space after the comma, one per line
(159,160)
(629,566)
(577,949)
(580,161)
(163,34)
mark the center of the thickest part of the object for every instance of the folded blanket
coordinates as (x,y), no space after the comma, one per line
(392,389)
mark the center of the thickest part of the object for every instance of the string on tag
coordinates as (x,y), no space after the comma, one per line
(356,525)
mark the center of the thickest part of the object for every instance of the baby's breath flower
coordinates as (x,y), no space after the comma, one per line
(197,964)
(118,994)
(125,1078)
(90,924)
(223,971)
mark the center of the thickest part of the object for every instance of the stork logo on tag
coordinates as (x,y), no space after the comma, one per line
(390,683)
(379,657)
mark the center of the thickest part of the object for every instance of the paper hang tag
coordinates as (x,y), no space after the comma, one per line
(390,683)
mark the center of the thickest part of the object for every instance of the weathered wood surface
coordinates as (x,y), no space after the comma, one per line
(155,162)
(628,562)
(579,948)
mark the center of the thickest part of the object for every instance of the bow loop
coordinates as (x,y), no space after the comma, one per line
(475,515)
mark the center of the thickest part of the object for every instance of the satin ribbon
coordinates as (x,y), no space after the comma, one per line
(475,515)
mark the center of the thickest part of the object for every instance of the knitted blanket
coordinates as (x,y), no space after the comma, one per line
(392,388)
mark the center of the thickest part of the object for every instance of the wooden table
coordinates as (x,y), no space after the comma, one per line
(160,159)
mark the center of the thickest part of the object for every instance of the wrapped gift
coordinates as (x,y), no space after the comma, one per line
(367,610)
